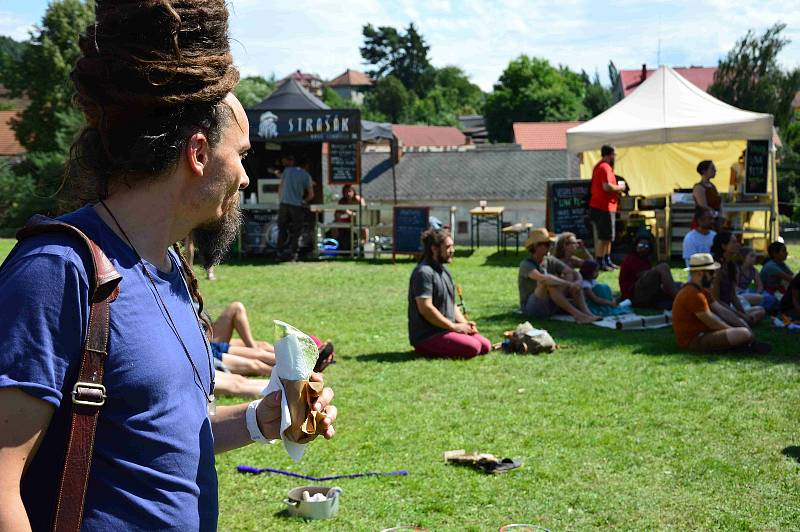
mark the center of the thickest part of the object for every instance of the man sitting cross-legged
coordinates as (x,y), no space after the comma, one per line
(436,326)
(547,286)
(703,324)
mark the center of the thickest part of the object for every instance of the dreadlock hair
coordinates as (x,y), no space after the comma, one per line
(432,237)
(151,74)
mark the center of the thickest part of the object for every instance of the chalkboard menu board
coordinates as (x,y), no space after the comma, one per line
(344,163)
(756,167)
(568,207)
(409,224)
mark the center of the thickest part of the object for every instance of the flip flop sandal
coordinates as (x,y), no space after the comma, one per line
(495,467)
(325,358)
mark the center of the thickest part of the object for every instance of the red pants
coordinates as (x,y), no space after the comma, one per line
(454,345)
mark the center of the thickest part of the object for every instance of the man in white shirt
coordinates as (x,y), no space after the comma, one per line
(699,240)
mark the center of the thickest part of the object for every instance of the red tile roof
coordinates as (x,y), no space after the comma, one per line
(702,77)
(302,77)
(542,135)
(419,136)
(8,142)
(351,78)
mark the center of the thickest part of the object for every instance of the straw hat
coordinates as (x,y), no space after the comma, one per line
(702,262)
(537,236)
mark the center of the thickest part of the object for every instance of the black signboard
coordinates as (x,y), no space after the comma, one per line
(568,207)
(756,167)
(330,125)
(409,224)
(344,163)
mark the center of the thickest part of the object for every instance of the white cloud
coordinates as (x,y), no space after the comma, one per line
(14,26)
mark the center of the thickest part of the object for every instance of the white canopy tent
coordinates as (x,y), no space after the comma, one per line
(667,108)
(664,128)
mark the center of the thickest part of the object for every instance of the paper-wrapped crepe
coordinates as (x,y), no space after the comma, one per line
(295,357)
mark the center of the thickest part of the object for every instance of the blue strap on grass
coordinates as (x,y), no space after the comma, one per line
(258,470)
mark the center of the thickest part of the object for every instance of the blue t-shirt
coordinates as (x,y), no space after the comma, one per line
(294,182)
(153,462)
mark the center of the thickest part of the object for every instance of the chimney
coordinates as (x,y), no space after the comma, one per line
(644,71)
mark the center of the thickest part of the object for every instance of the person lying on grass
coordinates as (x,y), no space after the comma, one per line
(703,324)
(547,286)
(725,250)
(436,326)
(246,355)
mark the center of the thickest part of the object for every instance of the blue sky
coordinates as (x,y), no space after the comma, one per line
(482,36)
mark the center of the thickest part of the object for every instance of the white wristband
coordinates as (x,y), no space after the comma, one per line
(252,423)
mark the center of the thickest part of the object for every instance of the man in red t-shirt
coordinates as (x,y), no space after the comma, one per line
(646,285)
(603,205)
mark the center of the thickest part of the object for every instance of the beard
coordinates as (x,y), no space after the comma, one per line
(707,281)
(213,238)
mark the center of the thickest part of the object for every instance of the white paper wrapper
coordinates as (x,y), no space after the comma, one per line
(295,357)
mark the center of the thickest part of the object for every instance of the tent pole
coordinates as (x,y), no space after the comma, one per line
(775,229)
(393,155)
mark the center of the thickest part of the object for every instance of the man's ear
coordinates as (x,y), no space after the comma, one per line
(197,153)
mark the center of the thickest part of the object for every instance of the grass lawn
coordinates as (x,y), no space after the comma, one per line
(616,430)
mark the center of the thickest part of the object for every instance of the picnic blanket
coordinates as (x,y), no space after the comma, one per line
(627,322)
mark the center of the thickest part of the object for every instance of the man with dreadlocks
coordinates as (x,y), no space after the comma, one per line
(436,326)
(163,144)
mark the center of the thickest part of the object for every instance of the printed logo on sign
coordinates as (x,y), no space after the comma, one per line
(267,125)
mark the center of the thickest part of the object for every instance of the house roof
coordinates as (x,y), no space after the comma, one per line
(290,96)
(467,175)
(302,77)
(542,135)
(425,136)
(351,78)
(701,77)
(8,141)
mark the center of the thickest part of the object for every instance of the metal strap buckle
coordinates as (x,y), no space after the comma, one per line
(86,393)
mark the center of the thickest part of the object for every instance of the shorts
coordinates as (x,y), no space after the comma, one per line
(536,307)
(219,348)
(604,222)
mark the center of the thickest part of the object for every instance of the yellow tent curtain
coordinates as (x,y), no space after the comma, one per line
(660,168)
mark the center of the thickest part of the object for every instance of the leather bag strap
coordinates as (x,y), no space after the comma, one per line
(88,393)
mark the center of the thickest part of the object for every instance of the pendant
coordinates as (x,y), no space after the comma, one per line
(212,405)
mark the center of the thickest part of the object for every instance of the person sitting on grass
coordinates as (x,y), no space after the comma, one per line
(647,286)
(567,247)
(703,324)
(775,274)
(547,286)
(749,284)
(599,298)
(436,326)
(700,238)
(725,250)
(790,304)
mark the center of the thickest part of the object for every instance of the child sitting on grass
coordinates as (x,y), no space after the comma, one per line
(599,297)
(775,274)
(749,285)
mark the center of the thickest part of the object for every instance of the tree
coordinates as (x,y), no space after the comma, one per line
(252,89)
(390,99)
(41,73)
(750,77)
(616,83)
(597,98)
(532,90)
(402,55)
(334,101)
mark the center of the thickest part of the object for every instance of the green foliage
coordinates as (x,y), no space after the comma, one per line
(332,98)
(41,73)
(252,89)
(391,99)
(751,78)
(532,90)
(11,48)
(401,55)
(616,82)
(597,99)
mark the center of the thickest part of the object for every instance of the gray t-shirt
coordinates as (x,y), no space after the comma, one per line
(294,181)
(526,285)
(431,280)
